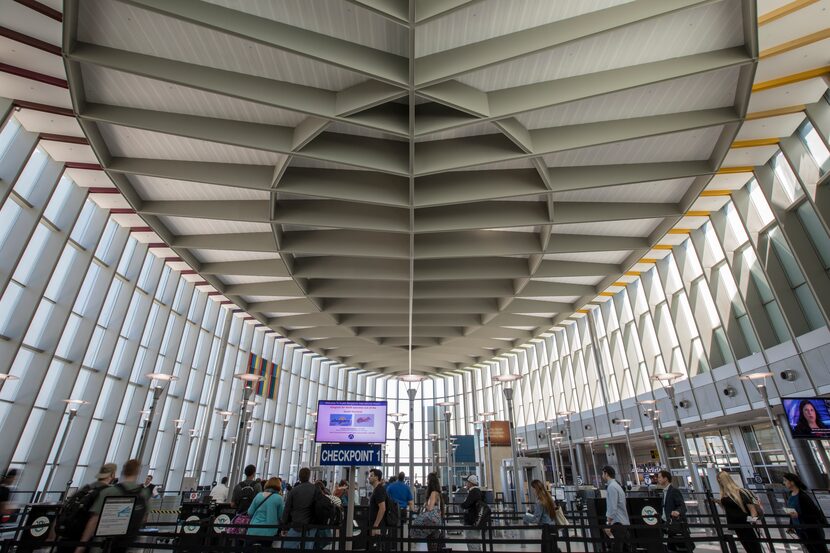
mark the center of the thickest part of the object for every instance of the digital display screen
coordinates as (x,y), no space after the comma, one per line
(809,417)
(351,422)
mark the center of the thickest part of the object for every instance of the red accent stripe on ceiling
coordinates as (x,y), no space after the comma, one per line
(152,245)
(45,108)
(51,13)
(188,272)
(79,165)
(211,294)
(102,190)
(30,41)
(122,211)
(33,75)
(63,138)
(141,229)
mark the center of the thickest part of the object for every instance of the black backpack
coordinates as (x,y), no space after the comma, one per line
(482,514)
(74,512)
(392,518)
(247,493)
(326,512)
(139,511)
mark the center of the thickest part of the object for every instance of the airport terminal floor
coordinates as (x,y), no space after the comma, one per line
(556,272)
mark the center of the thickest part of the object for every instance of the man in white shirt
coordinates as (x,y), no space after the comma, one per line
(219,493)
(616,512)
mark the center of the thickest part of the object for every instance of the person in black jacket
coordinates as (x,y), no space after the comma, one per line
(674,514)
(803,512)
(470,506)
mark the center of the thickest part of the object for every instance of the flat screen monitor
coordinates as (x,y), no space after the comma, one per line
(809,417)
(351,422)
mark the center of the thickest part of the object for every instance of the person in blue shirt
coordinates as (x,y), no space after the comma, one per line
(400,492)
(616,512)
(266,509)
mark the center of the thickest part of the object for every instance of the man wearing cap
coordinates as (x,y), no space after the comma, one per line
(474,495)
(72,527)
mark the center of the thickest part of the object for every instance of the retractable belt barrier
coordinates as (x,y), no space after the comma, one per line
(205,530)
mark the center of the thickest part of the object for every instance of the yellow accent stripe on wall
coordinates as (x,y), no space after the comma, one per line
(755,142)
(620,283)
(783,11)
(790,79)
(733,170)
(606,294)
(775,112)
(631,273)
(715,193)
(662,247)
(679,231)
(648,260)
(697,213)
(583,311)
(795,43)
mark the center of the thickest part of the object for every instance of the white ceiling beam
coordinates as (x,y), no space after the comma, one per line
(447,64)
(351,268)
(508,102)
(367,153)
(302,42)
(356,186)
(345,215)
(255,177)
(347,243)
(243,241)
(254,267)
(227,210)
(457,153)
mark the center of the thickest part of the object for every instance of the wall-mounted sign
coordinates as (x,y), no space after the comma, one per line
(498,433)
(351,455)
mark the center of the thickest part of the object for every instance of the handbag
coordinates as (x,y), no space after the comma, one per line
(431,517)
(560,518)
(240,523)
(678,537)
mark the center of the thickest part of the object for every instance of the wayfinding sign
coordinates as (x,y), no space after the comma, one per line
(350,455)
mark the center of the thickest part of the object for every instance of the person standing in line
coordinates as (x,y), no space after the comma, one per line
(219,493)
(127,486)
(6,505)
(299,512)
(266,509)
(616,512)
(804,511)
(244,492)
(739,506)
(398,491)
(75,512)
(471,507)
(377,509)
(674,514)
(544,513)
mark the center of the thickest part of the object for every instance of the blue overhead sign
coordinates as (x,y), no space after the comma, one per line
(351,455)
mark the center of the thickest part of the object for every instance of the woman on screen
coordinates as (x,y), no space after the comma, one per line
(808,419)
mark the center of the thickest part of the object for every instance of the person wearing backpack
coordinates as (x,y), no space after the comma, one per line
(299,512)
(245,492)
(128,486)
(472,506)
(75,511)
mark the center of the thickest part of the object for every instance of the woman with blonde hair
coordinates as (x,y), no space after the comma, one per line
(739,504)
(544,513)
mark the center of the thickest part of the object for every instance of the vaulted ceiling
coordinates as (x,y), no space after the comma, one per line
(455,176)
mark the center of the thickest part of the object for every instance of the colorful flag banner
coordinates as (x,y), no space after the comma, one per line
(267,387)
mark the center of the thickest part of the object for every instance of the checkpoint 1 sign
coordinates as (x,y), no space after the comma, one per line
(350,455)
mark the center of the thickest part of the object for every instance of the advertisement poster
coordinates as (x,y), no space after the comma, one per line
(498,432)
(356,422)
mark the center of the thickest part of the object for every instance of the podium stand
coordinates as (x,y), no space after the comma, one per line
(644,514)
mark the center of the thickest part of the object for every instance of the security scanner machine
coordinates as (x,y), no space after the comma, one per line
(532,468)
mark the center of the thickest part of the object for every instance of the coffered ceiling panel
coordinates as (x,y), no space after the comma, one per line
(410,186)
